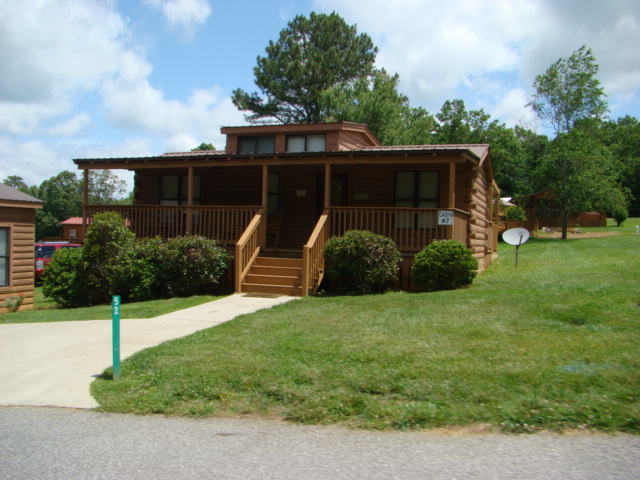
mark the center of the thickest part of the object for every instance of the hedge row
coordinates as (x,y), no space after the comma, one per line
(361,262)
(113,262)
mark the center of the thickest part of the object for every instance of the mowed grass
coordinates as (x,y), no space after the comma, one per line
(553,345)
(45,310)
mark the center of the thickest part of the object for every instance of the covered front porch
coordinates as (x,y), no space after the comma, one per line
(294,204)
(245,230)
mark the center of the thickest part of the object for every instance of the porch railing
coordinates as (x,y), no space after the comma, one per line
(223,223)
(248,247)
(410,228)
(313,256)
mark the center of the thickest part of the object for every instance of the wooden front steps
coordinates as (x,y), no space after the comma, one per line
(274,275)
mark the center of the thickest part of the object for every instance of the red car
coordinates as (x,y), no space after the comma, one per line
(43,253)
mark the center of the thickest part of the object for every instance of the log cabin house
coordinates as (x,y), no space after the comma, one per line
(282,190)
(542,207)
(17,235)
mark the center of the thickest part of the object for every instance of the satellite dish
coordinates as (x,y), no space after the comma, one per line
(516,236)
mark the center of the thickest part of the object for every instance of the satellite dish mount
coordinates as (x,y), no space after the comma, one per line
(516,236)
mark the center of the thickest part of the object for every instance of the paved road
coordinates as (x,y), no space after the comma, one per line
(47,443)
(53,364)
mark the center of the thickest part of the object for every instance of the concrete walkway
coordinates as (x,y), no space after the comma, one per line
(53,364)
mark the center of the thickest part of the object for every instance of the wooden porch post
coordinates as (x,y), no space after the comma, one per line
(265,202)
(327,186)
(265,186)
(189,225)
(85,201)
(452,184)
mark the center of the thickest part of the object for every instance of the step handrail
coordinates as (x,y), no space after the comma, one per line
(248,248)
(313,255)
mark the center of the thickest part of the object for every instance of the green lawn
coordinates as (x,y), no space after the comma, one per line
(45,310)
(552,345)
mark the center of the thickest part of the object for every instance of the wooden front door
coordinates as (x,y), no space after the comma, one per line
(299,193)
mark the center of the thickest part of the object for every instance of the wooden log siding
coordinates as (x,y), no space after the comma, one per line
(21,272)
(479,241)
(225,224)
(410,228)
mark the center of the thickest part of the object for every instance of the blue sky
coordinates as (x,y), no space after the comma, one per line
(102,78)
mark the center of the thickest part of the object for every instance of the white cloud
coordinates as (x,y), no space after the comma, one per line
(37,160)
(184,15)
(510,109)
(489,47)
(183,125)
(437,47)
(73,126)
(67,65)
(51,52)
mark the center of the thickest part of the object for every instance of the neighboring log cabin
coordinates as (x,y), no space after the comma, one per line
(17,235)
(283,190)
(542,207)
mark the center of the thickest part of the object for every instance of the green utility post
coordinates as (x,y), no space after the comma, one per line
(115,320)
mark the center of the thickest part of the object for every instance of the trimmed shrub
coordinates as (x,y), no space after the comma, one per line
(514,213)
(105,253)
(361,262)
(65,279)
(179,267)
(444,265)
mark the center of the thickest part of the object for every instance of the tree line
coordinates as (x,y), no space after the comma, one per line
(62,197)
(321,70)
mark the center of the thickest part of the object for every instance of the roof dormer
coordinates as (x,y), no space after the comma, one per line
(299,138)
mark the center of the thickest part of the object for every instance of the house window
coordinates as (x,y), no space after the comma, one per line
(306,143)
(174,189)
(72,233)
(257,144)
(416,190)
(4,257)
(273,193)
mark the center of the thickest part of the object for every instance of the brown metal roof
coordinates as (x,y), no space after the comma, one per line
(8,193)
(478,151)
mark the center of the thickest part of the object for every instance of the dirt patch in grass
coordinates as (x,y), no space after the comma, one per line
(579,235)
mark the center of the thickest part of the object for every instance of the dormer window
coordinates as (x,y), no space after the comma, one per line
(257,144)
(306,143)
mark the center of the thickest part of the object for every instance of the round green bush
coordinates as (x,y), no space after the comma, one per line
(514,213)
(444,265)
(361,262)
(65,279)
(190,266)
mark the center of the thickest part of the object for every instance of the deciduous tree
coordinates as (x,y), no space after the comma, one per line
(203,147)
(105,187)
(578,169)
(569,91)
(376,101)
